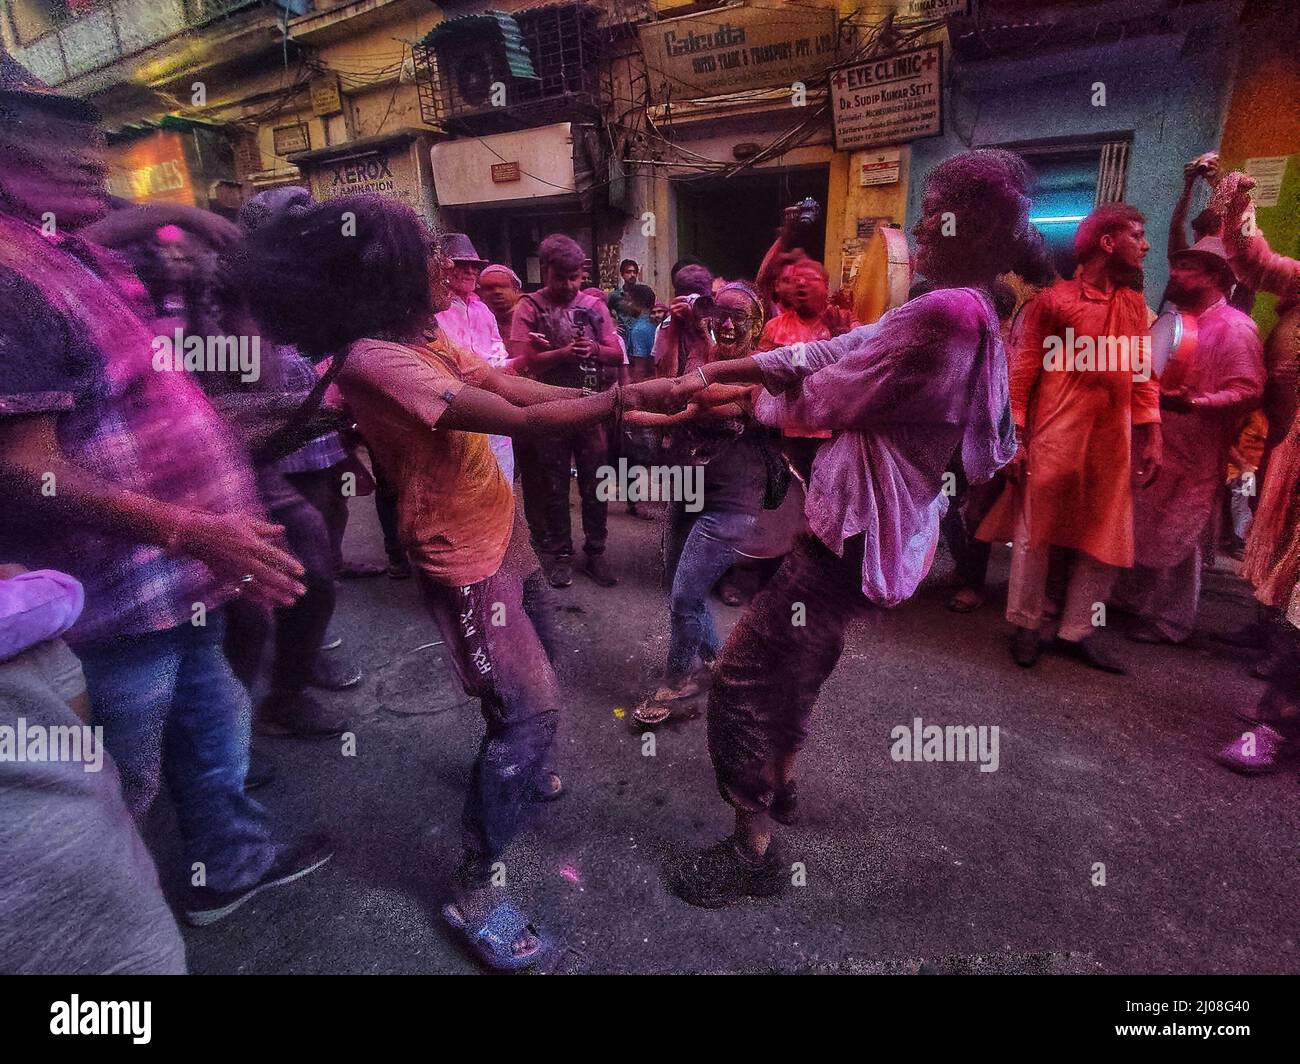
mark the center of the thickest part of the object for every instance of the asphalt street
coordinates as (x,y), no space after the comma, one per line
(908,865)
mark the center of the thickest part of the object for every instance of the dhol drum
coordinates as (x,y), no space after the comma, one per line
(884,276)
(1173,345)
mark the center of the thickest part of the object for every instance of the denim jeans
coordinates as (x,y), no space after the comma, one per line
(170,705)
(698,549)
(497,634)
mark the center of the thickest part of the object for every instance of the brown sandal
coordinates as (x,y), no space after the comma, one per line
(651,713)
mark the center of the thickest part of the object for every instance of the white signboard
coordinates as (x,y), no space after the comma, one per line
(469,171)
(1268,172)
(891,99)
(880,167)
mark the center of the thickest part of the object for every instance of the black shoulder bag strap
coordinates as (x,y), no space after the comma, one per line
(284,440)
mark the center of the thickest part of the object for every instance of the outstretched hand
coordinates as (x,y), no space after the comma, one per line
(722,394)
(838,318)
(694,411)
(658,395)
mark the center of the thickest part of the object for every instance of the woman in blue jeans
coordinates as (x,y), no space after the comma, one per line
(702,532)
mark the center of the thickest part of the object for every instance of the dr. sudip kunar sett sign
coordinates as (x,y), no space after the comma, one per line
(889,99)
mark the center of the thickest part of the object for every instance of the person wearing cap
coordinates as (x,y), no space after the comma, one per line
(1204,398)
(127,479)
(500,288)
(469,323)
(1208,223)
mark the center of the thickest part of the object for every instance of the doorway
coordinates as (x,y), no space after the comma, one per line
(730,223)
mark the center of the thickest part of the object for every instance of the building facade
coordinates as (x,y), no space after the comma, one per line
(654,129)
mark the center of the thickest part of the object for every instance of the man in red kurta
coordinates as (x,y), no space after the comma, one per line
(1204,397)
(807,314)
(1082,398)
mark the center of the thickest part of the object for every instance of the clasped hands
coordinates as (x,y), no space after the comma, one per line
(672,400)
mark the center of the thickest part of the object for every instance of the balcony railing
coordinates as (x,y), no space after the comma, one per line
(99,36)
(493,72)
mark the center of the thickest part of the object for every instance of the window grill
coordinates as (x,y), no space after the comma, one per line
(494,71)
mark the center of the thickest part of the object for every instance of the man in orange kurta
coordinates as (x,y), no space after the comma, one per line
(1082,397)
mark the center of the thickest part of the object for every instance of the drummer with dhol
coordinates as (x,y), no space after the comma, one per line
(1212,377)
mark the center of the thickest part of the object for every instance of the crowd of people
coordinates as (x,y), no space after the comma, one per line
(166,522)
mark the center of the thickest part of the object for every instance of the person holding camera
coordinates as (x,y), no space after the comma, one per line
(684,342)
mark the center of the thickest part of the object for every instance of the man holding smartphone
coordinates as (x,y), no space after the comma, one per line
(564,337)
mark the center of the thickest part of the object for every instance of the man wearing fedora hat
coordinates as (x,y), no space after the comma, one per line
(470,323)
(1204,398)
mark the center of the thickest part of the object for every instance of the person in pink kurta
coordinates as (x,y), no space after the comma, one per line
(1203,398)
(1272,562)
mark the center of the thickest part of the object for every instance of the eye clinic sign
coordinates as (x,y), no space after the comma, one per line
(729,49)
(889,99)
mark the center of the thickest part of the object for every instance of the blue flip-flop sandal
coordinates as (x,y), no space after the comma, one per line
(493,940)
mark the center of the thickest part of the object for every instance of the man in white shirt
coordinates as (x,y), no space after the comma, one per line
(470,323)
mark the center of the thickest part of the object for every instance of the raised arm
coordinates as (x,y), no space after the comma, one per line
(769,268)
(132,224)
(1178,221)
(1253,261)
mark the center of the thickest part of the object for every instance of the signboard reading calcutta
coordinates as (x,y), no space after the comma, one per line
(889,99)
(730,49)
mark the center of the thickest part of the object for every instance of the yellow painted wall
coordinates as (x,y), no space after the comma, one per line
(1264,120)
